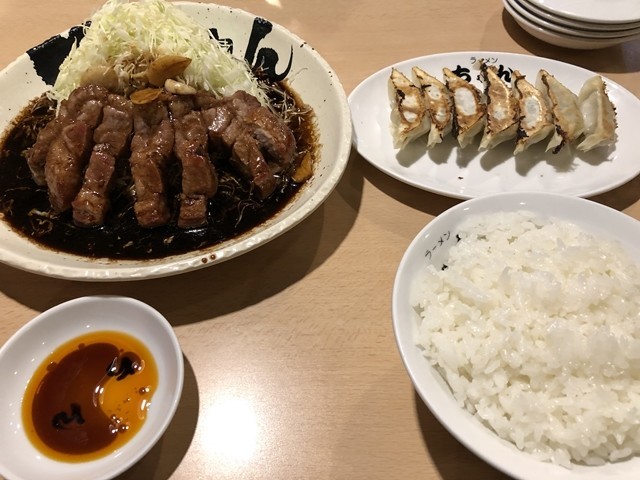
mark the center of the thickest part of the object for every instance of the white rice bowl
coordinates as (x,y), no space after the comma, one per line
(539,366)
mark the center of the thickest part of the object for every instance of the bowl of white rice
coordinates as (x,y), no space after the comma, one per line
(517,316)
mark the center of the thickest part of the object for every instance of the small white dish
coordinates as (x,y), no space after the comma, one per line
(562,39)
(467,173)
(524,11)
(570,22)
(34,342)
(430,246)
(309,76)
(598,11)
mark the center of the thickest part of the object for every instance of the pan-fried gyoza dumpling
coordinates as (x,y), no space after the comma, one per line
(564,106)
(409,119)
(598,113)
(468,107)
(536,120)
(502,109)
(438,102)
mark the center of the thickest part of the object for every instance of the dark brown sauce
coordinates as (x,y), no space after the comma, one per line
(89,397)
(232,211)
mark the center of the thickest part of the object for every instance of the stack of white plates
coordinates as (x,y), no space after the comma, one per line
(582,24)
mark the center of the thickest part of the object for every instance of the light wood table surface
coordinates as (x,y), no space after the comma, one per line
(292,371)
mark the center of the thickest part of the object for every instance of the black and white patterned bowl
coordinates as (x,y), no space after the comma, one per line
(253,38)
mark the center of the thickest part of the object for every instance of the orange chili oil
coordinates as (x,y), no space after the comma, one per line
(90,396)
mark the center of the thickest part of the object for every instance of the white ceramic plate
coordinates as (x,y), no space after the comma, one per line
(570,22)
(524,10)
(25,351)
(431,246)
(466,173)
(554,37)
(310,76)
(598,11)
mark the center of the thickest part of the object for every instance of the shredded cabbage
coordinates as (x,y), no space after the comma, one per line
(125,34)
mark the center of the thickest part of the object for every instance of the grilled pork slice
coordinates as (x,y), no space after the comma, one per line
(151,147)
(67,156)
(84,104)
(409,118)
(69,151)
(248,160)
(502,109)
(536,120)
(222,124)
(260,143)
(199,178)
(438,103)
(110,138)
(468,106)
(275,138)
(226,128)
(37,154)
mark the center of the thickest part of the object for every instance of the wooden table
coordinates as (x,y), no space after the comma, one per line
(291,366)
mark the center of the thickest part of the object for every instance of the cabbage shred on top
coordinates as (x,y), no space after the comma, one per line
(125,34)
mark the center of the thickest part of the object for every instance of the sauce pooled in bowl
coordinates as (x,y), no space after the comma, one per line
(90,396)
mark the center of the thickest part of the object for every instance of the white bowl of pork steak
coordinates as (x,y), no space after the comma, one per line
(213,211)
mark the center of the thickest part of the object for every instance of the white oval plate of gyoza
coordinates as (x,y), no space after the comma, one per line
(465,173)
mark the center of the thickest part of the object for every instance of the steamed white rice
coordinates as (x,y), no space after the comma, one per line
(535,326)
